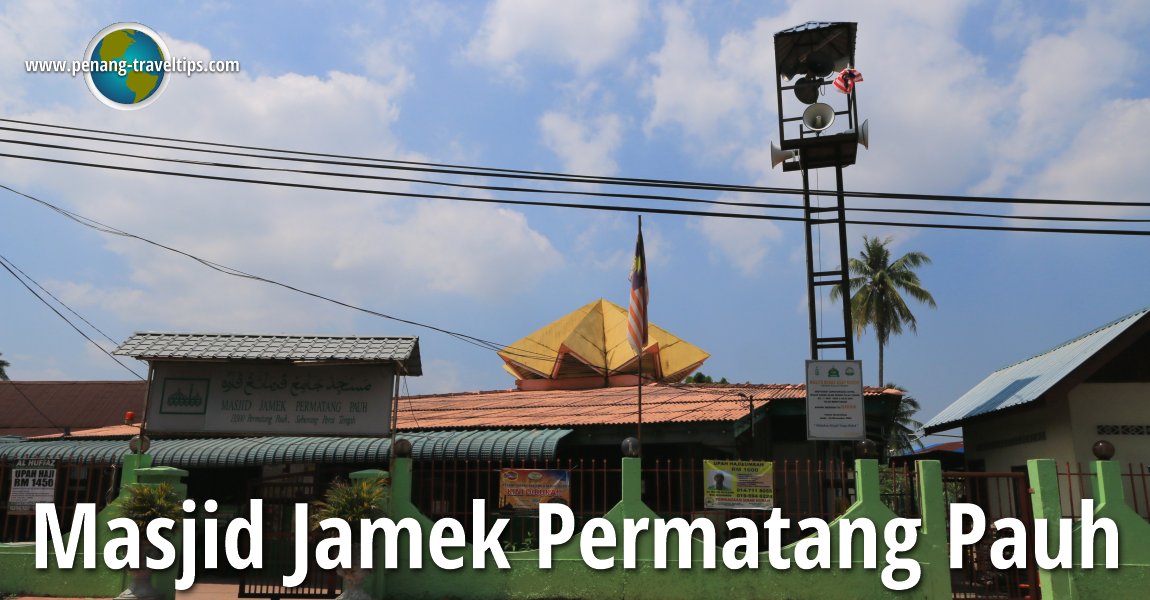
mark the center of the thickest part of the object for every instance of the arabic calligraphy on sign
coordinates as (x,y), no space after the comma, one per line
(251,382)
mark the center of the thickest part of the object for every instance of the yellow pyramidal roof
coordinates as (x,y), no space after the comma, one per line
(589,348)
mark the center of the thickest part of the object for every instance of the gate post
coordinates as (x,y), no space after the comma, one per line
(1047,504)
(375,584)
(164,581)
(936,575)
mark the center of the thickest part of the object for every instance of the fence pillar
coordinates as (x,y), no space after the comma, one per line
(400,482)
(936,574)
(1133,531)
(867,481)
(1047,505)
(131,463)
(632,480)
(163,581)
(375,583)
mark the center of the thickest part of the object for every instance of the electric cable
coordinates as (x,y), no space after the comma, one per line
(8,266)
(609,208)
(61,303)
(564,177)
(107,229)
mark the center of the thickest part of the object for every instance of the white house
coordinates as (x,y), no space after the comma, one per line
(1057,404)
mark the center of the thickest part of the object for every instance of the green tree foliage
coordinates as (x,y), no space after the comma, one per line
(878,284)
(352,501)
(3,368)
(701,378)
(146,503)
(901,429)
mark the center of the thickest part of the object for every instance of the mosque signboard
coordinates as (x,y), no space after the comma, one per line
(835,409)
(252,397)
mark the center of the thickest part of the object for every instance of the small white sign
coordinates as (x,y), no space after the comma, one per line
(33,481)
(835,408)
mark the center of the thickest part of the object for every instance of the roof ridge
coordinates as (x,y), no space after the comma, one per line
(1138,313)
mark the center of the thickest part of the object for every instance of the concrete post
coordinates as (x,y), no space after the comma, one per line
(867,480)
(632,480)
(375,582)
(1047,505)
(164,581)
(130,464)
(932,536)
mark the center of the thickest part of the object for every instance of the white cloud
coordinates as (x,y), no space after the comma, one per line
(745,243)
(587,146)
(49,30)
(688,89)
(583,35)
(1106,161)
(372,250)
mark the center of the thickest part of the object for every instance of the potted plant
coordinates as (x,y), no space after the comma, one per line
(143,504)
(353,501)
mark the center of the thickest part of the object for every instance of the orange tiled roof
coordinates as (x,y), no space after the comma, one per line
(111,431)
(662,403)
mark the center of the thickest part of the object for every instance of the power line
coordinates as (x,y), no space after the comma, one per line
(613,195)
(108,229)
(609,208)
(9,266)
(61,303)
(451,169)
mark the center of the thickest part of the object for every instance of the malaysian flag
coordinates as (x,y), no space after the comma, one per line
(637,310)
(846,80)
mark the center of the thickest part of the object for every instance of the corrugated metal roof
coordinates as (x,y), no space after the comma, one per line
(814,42)
(662,403)
(1026,381)
(201,346)
(519,444)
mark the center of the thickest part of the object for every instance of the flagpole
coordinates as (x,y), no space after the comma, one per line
(637,318)
(639,427)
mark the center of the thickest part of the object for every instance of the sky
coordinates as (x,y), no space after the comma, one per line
(1007,99)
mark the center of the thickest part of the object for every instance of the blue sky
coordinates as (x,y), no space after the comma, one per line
(1007,99)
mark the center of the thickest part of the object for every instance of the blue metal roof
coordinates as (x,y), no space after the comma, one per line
(1026,381)
(519,444)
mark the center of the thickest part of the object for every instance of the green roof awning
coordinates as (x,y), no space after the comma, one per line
(520,444)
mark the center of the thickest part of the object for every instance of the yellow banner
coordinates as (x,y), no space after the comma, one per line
(526,489)
(739,484)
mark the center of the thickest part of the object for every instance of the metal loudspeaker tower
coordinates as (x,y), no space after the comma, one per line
(818,128)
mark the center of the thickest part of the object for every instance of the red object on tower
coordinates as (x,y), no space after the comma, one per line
(846,80)
(129,417)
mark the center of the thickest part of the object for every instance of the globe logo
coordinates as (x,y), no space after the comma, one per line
(128,66)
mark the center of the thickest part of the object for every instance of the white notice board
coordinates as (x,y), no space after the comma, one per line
(835,400)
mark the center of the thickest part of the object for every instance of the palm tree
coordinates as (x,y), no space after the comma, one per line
(901,430)
(3,366)
(876,284)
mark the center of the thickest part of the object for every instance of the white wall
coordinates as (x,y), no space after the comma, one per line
(1094,404)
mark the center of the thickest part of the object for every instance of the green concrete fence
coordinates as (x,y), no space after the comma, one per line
(18,572)
(570,577)
(1132,577)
